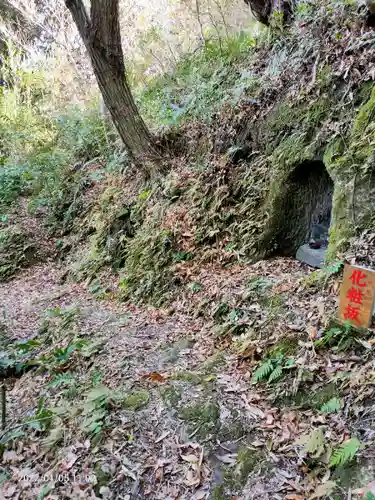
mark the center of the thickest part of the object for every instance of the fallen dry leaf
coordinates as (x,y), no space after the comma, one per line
(159,474)
(190,458)
(227,459)
(270,419)
(191,479)
(200,494)
(68,462)
(323,490)
(312,331)
(155,377)
(11,457)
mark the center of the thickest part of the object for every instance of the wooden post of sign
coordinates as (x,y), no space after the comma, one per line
(357,296)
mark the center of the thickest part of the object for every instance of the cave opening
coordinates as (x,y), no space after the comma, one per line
(304,210)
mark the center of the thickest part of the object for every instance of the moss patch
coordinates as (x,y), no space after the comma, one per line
(103,476)
(218,493)
(248,461)
(202,417)
(136,400)
(173,353)
(191,377)
(213,363)
(308,398)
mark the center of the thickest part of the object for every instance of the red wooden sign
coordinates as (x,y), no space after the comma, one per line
(357,296)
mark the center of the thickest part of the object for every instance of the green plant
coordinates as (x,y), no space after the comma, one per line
(332,406)
(95,409)
(259,283)
(345,453)
(42,419)
(66,316)
(272,369)
(194,287)
(61,380)
(201,82)
(147,272)
(27,346)
(342,338)
(95,287)
(96,378)
(60,355)
(321,276)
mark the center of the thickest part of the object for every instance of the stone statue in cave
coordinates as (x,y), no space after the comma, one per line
(319,236)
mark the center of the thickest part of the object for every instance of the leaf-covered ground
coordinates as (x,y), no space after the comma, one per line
(244,388)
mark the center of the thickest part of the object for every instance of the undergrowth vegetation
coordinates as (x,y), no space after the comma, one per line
(201,83)
(234,130)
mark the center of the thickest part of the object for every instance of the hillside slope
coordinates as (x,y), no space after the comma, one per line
(159,340)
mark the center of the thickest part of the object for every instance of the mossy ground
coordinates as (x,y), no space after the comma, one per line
(285,347)
(311,398)
(249,461)
(16,251)
(201,417)
(136,400)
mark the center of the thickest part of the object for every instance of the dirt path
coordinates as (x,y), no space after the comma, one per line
(159,403)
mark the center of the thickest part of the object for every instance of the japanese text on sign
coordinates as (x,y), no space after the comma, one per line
(357,296)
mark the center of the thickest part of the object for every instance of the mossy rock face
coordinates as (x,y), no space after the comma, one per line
(136,400)
(16,252)
(305,196)
(312,173)
(202,417)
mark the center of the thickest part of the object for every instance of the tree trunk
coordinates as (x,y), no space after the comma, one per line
(101,35)
(265,10)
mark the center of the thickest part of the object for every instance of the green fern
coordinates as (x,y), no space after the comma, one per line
(332,406)
(345,453)
(334,268)
(61,379)
(277,372)
(263,371)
